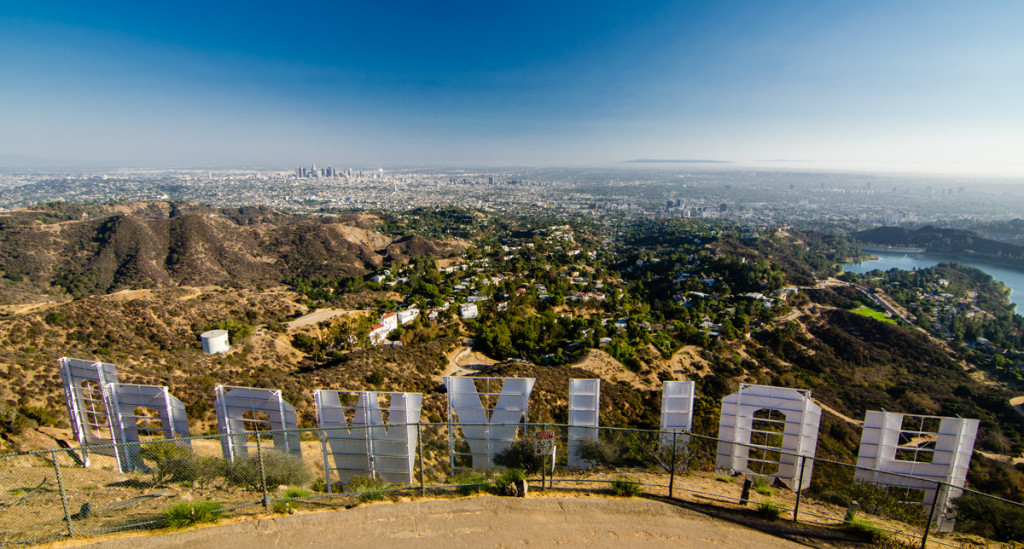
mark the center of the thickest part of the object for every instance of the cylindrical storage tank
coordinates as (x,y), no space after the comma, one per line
(215,341)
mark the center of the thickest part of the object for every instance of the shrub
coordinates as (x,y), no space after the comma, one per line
(520,455)
(185,514)
(836,498)
(884,501)
(762,487)
(13,422)
(865,528)
(319,485)
(724,478)
(470,483)
(635,448)
(200,470)
(238,330)
(989,517)
(508,477)
(596,452)
(626,487)
(283,507)
(296,492)
(280,468)
(768,511)
(176,463)
(368,489)
(42,416)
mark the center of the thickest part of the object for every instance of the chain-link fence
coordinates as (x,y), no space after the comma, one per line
(50,494)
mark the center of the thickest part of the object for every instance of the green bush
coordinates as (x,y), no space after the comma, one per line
(368,488)
(635,448)
(762,487)
(238,330)
(280,468)
(884,501)
(176,463)
(296,492)
(13,422)
(989,517)
(768,511)
(319,485)
(626,487)
(189,513)
(283,507)
(470,483)
(508,477)
(42,416)
(866,528)
(836,498)
(520,455)
(596,452)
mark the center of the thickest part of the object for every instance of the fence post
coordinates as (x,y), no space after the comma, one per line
(799,488)
(419,439)
(63,494)
(672,471)
(263,473)
(931,517)
(745,494)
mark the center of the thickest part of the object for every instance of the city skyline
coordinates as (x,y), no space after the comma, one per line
(924,87)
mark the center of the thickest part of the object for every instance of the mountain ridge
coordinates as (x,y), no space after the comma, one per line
(158,244)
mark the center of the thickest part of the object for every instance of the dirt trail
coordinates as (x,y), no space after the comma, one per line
(840,415)
(465,361)
(321,315)
(1018,404)
(487,521)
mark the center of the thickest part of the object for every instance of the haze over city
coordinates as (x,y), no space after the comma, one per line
(872,86)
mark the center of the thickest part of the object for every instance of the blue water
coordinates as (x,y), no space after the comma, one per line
(1013,279)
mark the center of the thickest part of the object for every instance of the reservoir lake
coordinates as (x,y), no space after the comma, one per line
(1012,278)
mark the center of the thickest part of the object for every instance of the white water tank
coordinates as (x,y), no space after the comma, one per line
(215,341)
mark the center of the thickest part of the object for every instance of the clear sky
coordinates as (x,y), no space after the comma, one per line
(930,85)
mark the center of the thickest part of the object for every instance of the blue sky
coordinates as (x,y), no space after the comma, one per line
(923,86)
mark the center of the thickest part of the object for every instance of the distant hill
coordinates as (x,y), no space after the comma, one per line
(953,242)
(95,250)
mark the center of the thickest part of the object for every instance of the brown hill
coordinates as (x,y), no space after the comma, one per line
(411,246)
(50,251)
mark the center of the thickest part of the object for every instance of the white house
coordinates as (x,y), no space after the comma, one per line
(378,333)
(407,316)
(468,310)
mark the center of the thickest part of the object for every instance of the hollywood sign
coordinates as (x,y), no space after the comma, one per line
(763,431)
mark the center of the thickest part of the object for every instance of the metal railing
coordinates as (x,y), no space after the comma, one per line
(47,495)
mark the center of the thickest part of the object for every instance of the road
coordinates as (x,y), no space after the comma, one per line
(486,521)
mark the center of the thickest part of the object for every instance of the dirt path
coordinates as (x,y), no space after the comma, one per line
(1018,404)
(465,361)
(841,416)
(321,315)
(487,521)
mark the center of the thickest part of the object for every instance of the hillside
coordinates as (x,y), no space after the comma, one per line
(953,242)
(59,249)
(712,308)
